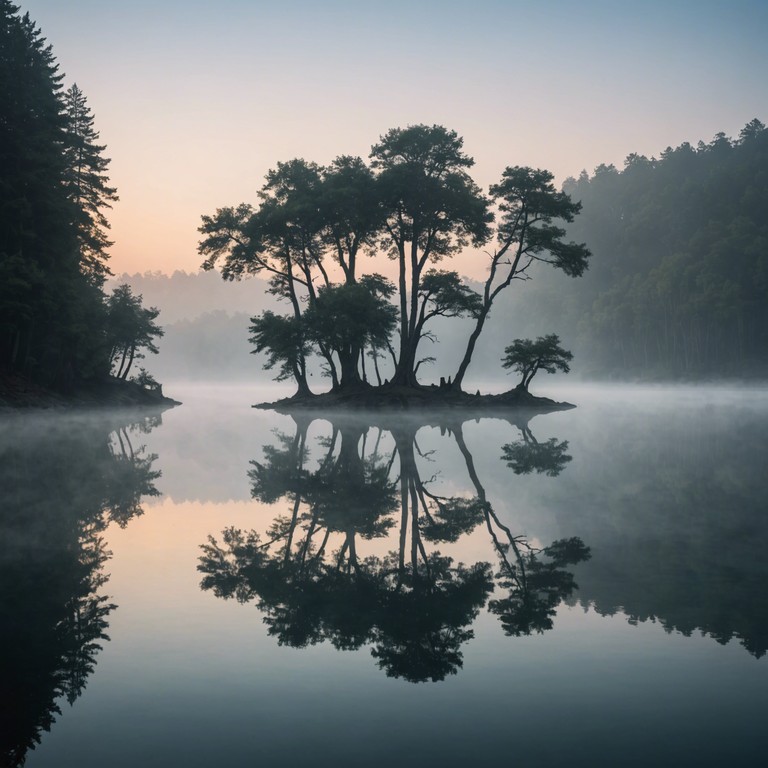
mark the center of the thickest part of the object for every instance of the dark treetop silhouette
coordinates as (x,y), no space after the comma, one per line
(416,205)
(58,330)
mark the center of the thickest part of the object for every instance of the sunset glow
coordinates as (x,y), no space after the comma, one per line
(195,102)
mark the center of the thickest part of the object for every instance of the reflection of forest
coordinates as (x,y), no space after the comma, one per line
(679,527)
(63,482)
(314,580)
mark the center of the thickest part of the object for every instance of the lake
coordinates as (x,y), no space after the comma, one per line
(220,585)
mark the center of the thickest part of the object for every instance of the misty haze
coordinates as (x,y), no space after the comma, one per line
(383,386)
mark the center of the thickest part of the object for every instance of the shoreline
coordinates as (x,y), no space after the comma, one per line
(18,394)
(405,399)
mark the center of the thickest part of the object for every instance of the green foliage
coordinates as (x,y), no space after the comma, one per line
(443,293)
(284,341)
(131,328)
(86,185)
(528,357)
(347,318)
(529,203)
(416,191)
(429,197)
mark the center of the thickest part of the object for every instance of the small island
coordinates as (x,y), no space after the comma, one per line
(412,206)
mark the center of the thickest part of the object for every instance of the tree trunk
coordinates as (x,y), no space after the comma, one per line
(459,377)
(130,362)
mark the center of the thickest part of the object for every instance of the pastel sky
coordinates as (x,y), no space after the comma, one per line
(197,100)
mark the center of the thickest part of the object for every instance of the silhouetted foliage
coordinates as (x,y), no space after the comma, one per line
(53,191)
(416,204)
(131,328)
(528,357)
(528,455)
(86,184)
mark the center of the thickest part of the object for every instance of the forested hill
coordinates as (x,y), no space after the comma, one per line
(678,282)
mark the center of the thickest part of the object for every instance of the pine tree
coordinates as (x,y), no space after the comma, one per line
(87,187)
(36,245)
(52,242)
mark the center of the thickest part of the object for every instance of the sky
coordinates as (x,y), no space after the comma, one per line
(196,100)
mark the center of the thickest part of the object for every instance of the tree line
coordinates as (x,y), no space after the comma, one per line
(315,228)
(57,325)
(678,280)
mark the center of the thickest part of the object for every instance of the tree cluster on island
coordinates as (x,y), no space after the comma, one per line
(415,204)
(58,327)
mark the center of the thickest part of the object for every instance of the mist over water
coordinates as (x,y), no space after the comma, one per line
(555,563)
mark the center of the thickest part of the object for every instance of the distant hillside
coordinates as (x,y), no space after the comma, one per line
(678,281)
(187,295)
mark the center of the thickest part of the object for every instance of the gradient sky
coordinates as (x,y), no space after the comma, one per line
(197,100)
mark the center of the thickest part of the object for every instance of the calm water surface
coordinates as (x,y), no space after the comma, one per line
(226,586)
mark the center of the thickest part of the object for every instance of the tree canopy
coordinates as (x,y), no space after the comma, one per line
(413,203)
(528,357)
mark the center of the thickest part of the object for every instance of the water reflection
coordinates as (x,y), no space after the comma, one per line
(64,482)
(314,580)
(679,530)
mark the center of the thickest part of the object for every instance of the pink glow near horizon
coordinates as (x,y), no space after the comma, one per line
(195,107)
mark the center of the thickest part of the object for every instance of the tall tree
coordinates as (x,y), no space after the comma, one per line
(281,239)
(529,205)
(351,215)
(87,186)
(433,210)
(52,244)
(36,244)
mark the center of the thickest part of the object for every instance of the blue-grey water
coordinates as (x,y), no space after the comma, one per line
(220,585)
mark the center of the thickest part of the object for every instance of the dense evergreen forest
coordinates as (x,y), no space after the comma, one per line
(678,280)
(58,328)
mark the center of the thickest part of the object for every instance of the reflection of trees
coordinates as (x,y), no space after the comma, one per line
(413,606)
(529,455)
(65,482)
(535,577)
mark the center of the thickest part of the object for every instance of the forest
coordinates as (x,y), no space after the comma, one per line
(58,327)
(678,279)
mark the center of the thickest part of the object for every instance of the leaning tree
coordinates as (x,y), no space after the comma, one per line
(527,232)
